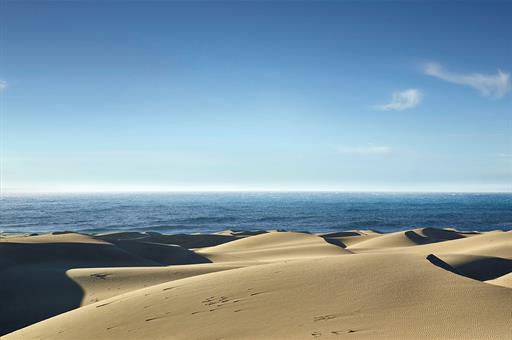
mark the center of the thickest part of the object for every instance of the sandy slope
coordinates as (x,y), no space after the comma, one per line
(102,283)
(42,276)
(272,247)
(422,283)
(495,243)
(504,281)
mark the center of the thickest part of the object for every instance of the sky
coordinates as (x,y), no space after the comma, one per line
(328,96)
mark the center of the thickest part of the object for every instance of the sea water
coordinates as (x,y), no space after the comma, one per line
(211,212)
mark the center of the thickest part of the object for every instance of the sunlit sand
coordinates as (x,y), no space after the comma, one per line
(421,283)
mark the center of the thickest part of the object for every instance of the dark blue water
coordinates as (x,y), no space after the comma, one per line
(211,212)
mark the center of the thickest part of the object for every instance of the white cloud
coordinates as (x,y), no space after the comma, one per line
(495,85)
(3,85)
(402,100)
(368,150)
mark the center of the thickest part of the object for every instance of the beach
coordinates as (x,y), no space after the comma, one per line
(417,284)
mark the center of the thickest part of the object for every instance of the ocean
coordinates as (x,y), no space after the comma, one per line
(174,213)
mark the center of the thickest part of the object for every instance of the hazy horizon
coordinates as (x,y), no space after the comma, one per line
(93,190)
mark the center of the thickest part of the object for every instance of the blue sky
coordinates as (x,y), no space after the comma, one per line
(401,96)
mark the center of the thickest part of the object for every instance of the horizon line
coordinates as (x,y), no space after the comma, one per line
(184,191)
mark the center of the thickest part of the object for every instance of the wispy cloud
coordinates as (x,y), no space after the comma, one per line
(3,85)
(491,85)
(402,100)
(367,150)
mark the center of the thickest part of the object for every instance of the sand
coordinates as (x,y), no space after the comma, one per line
(416,284)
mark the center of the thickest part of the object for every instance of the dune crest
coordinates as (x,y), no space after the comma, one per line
(416,284)
(271,247)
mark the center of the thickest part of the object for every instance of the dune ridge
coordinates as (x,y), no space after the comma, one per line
(415,284)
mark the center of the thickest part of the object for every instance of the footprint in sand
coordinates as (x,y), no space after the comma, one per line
(324,317)
(158,317)
(219,302)
(257,293)
(104,304)
(343,331)
(100,276)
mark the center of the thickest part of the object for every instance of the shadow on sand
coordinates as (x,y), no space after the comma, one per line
(479,268)
(33,281)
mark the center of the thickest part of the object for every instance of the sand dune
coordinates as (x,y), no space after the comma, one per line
(416,284)
(101,283)
(494,244)
(271,247)
(326,297)
(408,238)
(37,272)
(184,240)
(504,281)
(477,267)
(350,238)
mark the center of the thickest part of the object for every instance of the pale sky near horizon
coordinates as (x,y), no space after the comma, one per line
(389,96)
